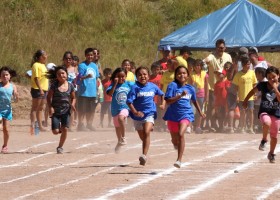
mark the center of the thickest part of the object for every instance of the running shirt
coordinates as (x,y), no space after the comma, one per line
(5,101)
(142,98)
(182,108)
(119,97)
(88,86)
(269,103)
(106,84)
(61,101)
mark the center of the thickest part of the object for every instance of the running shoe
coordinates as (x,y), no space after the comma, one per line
(143,160)
(59,150)
(177,164)
(123,141)
(251,131)
(4,149)
(262,145)
(271,157)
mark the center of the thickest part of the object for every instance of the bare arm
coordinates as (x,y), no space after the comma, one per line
(134,111)
(249,95)
(15,94)
(49,102)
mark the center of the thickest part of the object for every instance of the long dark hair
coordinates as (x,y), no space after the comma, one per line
(116,71)
(12,72)
(51,74)
(36,56)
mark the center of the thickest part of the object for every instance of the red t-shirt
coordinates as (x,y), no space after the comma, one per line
(156,80)
(106,84)
(220,93)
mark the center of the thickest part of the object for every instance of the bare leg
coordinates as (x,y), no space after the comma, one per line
(6,126)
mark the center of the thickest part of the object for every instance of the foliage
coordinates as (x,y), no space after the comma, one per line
(119,28)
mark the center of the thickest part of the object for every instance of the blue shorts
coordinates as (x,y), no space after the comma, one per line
(60,121)
(6,114)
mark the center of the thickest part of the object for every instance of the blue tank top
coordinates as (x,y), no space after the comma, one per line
(6,96)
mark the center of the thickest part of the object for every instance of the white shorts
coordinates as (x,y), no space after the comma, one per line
(139,124)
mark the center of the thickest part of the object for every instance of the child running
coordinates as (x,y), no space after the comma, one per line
(269,112)
(140,100)
(179,113)
(61,99)
(7,91)
(119,89)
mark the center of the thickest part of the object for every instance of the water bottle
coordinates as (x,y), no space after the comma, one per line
(37,128)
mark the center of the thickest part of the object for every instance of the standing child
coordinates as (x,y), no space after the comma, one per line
(156,78)
(179,113)
(61,99)
(119,89)
(199,79)
(105,106)
(244,81)
(140,100)
(269,113)
(7,91)
(220,96)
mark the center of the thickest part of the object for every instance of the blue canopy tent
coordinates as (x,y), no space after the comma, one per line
(241,23)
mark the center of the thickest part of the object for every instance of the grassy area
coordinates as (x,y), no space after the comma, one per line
(119,28)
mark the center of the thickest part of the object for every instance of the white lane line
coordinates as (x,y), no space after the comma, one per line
(25,161)
(35,146)
(106,170)
(79,179)
(62,166)
(49,170)
(168,171)
(209,183)
(87,145)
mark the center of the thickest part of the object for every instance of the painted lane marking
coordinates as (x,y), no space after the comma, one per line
(168,171)
(203,186)
(96,173)
(80,179)
(62,166)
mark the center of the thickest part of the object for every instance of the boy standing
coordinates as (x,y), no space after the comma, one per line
(87,92)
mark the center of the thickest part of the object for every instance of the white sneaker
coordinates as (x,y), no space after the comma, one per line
(143,160)
(177,164)
(123,141)
(189,130)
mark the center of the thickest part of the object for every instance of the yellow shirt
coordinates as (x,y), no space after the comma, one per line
(167,78)
(216,64)
(130,76)
(182,61)
(39,70)
(199,79)
(245,83)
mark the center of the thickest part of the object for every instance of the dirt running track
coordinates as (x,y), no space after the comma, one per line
(89,168)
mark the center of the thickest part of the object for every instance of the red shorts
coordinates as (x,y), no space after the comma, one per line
(173,127)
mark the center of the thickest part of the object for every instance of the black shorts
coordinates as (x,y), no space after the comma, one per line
(35,93)
(60,121)
(86,104)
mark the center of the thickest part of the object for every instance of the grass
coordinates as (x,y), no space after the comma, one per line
(119,28)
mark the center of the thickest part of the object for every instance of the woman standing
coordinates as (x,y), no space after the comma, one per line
(39,88)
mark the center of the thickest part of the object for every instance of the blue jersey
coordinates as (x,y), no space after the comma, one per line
(119,97)
(182,108)
(88,87)
(142,98)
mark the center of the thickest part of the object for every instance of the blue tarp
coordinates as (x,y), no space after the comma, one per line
(241,23)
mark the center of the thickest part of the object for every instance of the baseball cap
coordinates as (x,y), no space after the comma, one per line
(243,50)
(51,66)
(222,71)
(253,50)
(167,48)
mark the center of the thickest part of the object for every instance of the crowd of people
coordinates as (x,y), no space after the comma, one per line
(224,93)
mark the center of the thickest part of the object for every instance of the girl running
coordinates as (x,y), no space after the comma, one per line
(61,99)
(7,91)
(140,100)
(179,113)
(119,89)
(269,112)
